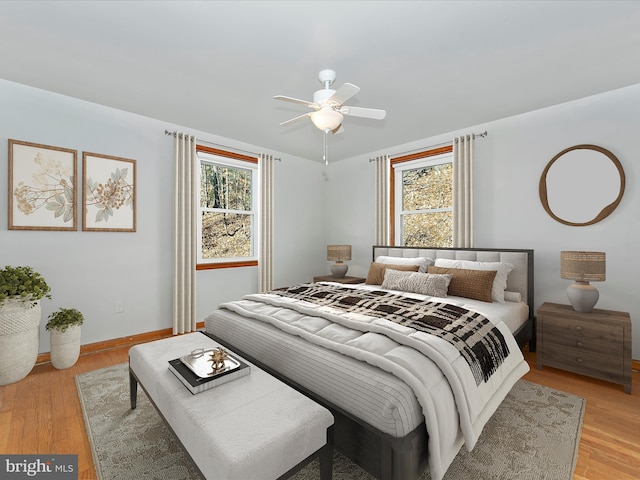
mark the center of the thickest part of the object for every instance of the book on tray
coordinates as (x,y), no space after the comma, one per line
(196,371)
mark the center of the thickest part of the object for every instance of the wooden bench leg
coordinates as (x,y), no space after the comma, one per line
(326,457)
(133,390)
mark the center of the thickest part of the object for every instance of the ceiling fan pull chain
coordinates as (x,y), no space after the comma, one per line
(325,155)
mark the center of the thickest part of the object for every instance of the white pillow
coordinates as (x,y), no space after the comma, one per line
(500,280)
(422,262)
(415,282)
(512,296)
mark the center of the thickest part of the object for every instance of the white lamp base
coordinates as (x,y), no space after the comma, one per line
(339,270)
(582,296)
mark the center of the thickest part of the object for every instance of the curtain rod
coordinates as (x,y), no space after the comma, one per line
(175,134)
(473,135)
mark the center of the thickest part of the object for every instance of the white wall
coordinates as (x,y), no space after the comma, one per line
(350,211)
(90,271)
(509,162)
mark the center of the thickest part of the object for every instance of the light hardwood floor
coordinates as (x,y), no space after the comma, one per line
(41,414)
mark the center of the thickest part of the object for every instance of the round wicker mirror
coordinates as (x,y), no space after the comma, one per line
(582,185)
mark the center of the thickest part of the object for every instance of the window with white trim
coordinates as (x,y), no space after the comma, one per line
(423,201)
(228,220)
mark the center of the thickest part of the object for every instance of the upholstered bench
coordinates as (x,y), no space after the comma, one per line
(253,427)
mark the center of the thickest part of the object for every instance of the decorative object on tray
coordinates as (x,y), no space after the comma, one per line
(218,356)
(338,254)
(583,267)
(204,369)
(64,327)
(21,289)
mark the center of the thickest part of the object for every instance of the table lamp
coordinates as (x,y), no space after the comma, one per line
(583,267)
(338,254)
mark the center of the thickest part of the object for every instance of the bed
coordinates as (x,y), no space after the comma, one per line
(383,397)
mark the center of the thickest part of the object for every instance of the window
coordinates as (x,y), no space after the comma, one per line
(422,199)
(228,205)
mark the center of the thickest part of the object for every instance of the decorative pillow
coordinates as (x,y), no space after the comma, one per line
(499,283)
(474,284)
(416,282)
(422,262)
(512,296)
(376,271)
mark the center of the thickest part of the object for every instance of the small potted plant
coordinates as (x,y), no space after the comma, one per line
(21,289)
(64,325)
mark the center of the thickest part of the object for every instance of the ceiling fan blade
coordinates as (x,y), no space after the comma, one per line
(295,119)
(373,113)
(344,93)
(298,101)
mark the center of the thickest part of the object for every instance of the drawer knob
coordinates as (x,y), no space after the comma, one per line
(579,360)
(579,344)
(579,329)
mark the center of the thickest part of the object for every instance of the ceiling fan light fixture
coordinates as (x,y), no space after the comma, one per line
(326,118)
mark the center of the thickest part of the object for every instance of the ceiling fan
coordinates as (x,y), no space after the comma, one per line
(328,106)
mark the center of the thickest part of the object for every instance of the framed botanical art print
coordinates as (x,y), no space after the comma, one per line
(109,197)
(42,187)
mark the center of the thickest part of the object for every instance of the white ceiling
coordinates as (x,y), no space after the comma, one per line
(434,66)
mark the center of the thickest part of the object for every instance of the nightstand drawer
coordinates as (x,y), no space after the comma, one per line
(587,362)
(603,339)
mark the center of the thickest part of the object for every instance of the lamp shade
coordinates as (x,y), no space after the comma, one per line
(583,266)
(338,253)
(326,118)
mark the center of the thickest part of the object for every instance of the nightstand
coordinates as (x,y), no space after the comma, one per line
(597,344)
(331,278)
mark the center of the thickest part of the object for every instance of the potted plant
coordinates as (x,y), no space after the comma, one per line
(21,289)
(64,325)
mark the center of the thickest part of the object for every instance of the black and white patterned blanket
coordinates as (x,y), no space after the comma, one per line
(481,344)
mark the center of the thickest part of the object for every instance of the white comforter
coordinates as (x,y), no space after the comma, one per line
(438,374)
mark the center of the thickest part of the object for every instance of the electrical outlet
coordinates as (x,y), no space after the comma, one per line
(118,306)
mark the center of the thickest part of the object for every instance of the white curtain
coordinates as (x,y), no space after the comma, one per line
(265,259)
(463,191)
(382,201)
(185,217)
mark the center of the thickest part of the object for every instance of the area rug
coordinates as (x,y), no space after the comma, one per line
(533,435)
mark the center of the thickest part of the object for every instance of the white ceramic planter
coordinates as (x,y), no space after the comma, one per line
(65,347)
(19,339)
